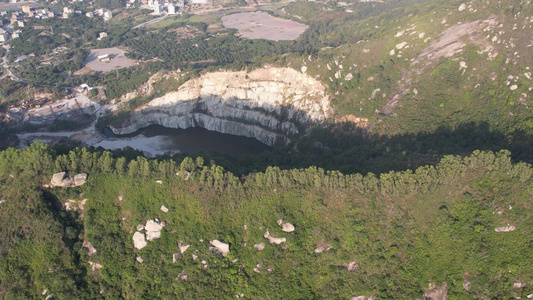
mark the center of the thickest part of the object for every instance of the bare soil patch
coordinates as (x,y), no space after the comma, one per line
(260,25)
(117,60)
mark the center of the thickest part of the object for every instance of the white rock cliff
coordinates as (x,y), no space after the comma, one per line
(265,104)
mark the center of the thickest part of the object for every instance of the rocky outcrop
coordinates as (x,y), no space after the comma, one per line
(220,247)
(90,248)
(274,240)
(62,179)
(267,104)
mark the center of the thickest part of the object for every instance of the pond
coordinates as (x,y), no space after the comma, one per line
(156,140)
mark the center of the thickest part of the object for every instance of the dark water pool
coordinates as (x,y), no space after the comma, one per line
(198,139)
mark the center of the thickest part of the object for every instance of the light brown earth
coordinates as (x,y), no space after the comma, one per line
(259,25)
(118,60)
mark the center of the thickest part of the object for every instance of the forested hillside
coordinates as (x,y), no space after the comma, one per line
(465,223)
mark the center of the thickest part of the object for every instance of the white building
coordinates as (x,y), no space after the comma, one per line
(157,8)
(4,36)
(108,15)
(171,9)
(89,14)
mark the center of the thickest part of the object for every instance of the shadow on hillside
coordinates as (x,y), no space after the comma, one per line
(349,150)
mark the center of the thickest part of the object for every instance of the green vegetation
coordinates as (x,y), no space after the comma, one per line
(403,230)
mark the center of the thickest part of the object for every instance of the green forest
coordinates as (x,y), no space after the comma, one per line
(388,236)
(430,186)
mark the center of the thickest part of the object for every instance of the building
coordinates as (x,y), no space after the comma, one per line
(20,23)
(171,9)
(89,14)
(157,8)
(101,35)
(15,34)
(108,15)
(4,36)
(26,9)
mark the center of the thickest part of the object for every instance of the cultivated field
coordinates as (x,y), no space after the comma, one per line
(259,25)
(118,60)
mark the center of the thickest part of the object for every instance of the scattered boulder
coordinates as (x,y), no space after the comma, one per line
(220,247)
(194,257)
(257,269)
(321,248)
(348,77)
(274,240)
(287,227)
(62,179)
(176,257)
(401,45)
(285,247)
(351,266)
(436,293)
(120,197)
(304,69)
(466,285)
(81,204)
(140,259)
(139,240)
(90,247)
(140,227)
(461,7)
(183,276)
(153,229)
(69,205)
(183,248)
(164,208)
(159,181)
(513,87)
(360,298)
(95,266)
(259,246)
(519,285)
(80,179)
(279,222)
(507,228)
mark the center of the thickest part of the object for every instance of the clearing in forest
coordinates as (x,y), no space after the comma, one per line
(260,25)
(108,59)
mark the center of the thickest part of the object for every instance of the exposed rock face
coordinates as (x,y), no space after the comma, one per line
(265,104)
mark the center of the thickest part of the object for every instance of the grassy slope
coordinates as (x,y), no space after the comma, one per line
(403,231)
